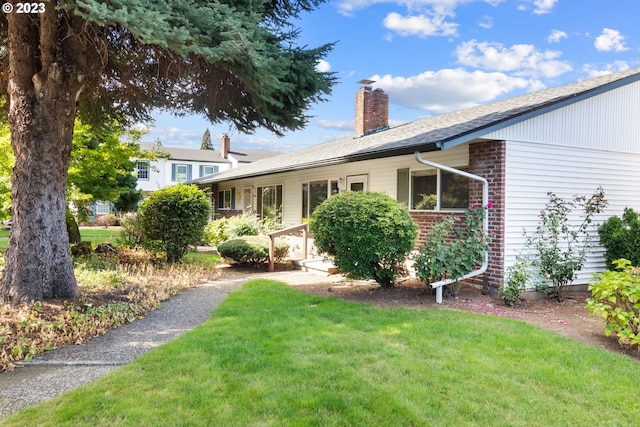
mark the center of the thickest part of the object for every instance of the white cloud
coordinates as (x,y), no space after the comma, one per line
(543,6)
(556,36)
(610,40)
(486,22)
(594,71)
(424,18)
(175,137)
(448,89)
(420,25)
(323,66)
(540,7)
(336,124)
(524,59)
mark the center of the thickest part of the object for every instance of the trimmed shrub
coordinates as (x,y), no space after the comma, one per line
(621,238)
(615,297)
(173,218)
(252,249)
(367,234)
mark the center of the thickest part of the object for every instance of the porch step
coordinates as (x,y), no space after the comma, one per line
(315,264)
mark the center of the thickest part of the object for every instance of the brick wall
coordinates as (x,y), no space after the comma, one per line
(372,110)
(486,159)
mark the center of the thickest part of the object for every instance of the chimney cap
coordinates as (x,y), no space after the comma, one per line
(366,82)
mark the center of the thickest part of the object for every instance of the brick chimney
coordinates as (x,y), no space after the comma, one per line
(225,145)
(372,111)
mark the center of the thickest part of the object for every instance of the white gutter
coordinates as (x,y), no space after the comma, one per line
(485,224)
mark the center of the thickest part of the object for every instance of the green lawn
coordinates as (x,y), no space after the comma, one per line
(270,355)
(100,235)
(88,234)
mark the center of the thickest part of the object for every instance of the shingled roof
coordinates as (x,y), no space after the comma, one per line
(434,132)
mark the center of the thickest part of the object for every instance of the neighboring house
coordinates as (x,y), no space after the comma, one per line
(179,165)
(569,140)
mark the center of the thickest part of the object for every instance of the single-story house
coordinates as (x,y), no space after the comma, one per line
(570,140)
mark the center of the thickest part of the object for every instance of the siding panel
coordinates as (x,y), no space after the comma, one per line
(604,122)
(535,169)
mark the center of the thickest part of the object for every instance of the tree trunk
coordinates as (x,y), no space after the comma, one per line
(43,84)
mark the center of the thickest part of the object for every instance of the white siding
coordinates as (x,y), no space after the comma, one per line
(382,177)
(535,169)
(608,121)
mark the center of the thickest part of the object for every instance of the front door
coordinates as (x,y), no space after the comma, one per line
(247,200)
(358,182)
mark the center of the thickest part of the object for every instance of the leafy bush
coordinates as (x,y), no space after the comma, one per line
(174,216)
(252,249)
(107,220)
(453,248)
(561,246)
(616,297)
(621,238)
(131,235)
(518,275)
(246,224)
(368,234)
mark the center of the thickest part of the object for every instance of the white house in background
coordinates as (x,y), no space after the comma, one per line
(569,140)
(179,165)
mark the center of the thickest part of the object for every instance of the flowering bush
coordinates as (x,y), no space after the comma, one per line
(454,247)
(560,245)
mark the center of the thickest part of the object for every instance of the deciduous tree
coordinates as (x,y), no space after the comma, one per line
(230,61)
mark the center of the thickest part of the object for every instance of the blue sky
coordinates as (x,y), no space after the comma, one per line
(434,56)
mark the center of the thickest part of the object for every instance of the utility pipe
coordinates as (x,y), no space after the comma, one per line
(485,223)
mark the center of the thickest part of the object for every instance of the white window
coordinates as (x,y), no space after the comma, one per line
(226,199)
(209,170)
(142,166)
(433,189)
(314,193)
(270,202)
(102,208)
(180,172)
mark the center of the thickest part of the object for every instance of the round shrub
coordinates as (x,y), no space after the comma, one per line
(174,218)
(252,249)
(368,234)
(621,238)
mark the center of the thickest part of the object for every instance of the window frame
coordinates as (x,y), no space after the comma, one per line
(146,169)
(439,187)
(223,195)
(278,201)
(332,189)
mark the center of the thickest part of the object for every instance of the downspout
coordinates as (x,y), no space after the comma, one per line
(485,224)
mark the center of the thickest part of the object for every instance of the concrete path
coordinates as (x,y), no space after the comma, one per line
(68,367)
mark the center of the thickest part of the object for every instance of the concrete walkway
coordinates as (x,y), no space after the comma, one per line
(68,367)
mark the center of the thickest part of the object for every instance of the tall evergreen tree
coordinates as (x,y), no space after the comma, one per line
(234,61)
(206,141)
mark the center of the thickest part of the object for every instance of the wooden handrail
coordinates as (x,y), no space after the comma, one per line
(283,232)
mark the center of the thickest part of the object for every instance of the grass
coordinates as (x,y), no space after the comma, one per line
(270,355)
(102,235)
(106,235)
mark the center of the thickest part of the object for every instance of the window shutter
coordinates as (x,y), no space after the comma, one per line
(189,172)
(233,198)
(201,171)
(173,172)
(403,186)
